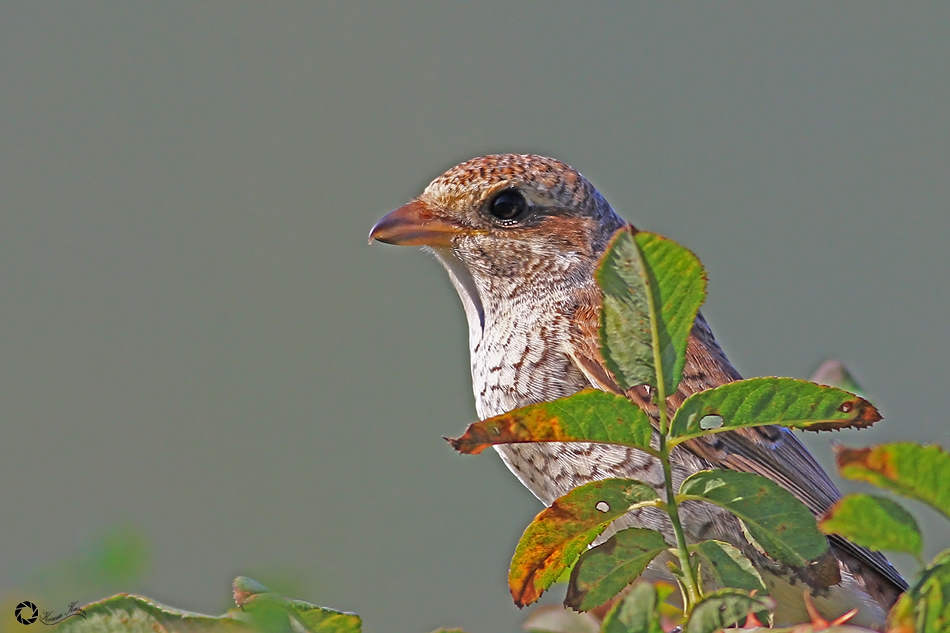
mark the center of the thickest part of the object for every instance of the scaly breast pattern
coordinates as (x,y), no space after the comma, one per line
(519,358)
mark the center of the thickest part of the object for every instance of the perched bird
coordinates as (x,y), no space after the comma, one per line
(520,236)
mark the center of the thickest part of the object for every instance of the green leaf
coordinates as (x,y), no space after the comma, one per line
(638,612)
(781,524)
(271,612)
(259,610)
(268,611)
(925,607)
(723,608)
(559,534)
(873,522)
(647,279)
(589,416)
(725,566)
(124,612)
(914,471)
(788,402)
(604,571)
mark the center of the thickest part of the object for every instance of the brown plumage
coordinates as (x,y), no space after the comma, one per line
(520,236)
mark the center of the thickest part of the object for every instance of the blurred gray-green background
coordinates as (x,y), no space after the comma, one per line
(196,340)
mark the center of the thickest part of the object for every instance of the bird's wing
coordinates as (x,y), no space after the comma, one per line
(771,451)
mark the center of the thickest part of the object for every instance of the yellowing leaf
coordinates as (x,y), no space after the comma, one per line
(588,416)
(558,535)
(914,471)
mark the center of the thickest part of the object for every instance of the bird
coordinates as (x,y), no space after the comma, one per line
(520,236)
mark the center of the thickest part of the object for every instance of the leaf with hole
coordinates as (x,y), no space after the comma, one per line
(788,402)
(648,282)
(604,571)
(559,534)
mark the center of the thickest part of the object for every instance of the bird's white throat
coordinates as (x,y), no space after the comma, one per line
(467,290)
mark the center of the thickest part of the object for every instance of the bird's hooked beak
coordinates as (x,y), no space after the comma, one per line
(415,224)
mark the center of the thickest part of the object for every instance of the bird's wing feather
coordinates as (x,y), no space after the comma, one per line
(773,452)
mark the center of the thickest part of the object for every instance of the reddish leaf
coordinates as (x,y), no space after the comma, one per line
(559,534)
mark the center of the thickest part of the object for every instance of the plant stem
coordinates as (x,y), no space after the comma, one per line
(689,575)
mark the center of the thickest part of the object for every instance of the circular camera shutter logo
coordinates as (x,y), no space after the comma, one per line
(26,612)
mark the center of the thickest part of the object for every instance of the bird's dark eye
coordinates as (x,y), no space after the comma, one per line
(507,205)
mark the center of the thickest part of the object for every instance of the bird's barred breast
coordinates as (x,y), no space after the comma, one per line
(514,371)
(514,367)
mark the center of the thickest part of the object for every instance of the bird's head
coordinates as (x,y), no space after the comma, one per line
(506,224)
(505,216)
